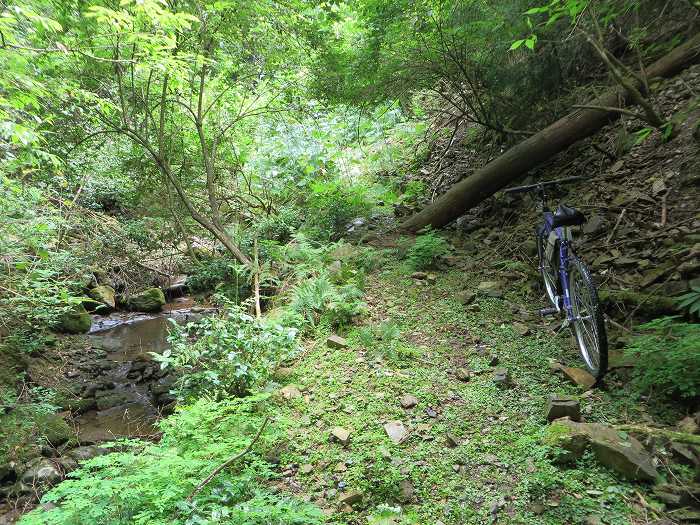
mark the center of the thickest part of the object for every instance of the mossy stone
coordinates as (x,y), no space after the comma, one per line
(150,300)
(103,294)
(54,428)
(75,321)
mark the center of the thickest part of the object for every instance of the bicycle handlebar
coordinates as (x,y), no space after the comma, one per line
(541,185)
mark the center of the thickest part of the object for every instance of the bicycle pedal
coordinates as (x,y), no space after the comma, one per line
(548,311)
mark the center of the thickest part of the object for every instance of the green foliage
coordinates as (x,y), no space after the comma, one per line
(427,250)
(40,282)
(384,340)
(332,205)
(665,355)
(148,483)
(387,515)
(321,302)
(28,423)
(221,274)
(227,354)
(279,226)
(691,301)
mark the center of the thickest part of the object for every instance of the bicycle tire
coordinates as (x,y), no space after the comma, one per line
(549,270)
(588,326)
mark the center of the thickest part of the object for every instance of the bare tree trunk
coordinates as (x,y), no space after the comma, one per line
(541,146)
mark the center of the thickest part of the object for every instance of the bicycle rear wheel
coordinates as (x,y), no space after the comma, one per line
(588,324)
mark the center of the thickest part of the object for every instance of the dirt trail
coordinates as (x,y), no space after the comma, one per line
(470,450)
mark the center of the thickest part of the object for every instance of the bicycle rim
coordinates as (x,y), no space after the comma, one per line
(588,325)
(549,269)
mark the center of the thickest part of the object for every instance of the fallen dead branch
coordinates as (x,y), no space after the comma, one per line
(226,463)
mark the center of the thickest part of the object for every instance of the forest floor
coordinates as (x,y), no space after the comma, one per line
(469,451)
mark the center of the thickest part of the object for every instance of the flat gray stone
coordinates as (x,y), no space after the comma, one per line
(396,431)
(335,341)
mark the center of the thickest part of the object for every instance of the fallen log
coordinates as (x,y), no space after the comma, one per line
(541,146)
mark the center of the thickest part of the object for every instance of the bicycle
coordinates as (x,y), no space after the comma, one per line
(567,281)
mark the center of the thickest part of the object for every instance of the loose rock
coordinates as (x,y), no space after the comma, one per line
(335,341)
(396,431)
(407,492)
(409,401)
(490,289)
(350,497)
(563,406)
(463,374)
(522,329)
(340,435)
(501,377)
(578,376)
(290,392)
(616,450)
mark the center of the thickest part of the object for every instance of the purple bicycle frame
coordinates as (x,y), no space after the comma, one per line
(545,230)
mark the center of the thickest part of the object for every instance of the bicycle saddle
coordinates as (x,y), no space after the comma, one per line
(565,216)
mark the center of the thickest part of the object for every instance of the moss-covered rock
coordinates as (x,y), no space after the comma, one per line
(150,300)
(105,296)
(616,450)
(54,429)
(75,321)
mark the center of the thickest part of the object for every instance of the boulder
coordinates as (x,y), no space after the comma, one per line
(75,321)
(54,428)
(86,452)
(150,300)
(616,450)
(41,472)
(105,295)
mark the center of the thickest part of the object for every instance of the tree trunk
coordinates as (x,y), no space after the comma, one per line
(540,147)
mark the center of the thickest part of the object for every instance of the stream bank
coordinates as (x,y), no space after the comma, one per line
(107,387)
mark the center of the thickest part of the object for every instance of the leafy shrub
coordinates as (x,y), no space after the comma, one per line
(320,302)
(426,251)
(221,274)
(666,356)
(226,354)
(332,205)
(148,483)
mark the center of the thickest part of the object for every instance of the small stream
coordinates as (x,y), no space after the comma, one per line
(131,391)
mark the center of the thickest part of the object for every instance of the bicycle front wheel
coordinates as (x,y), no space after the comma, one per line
(588,324)
(549,268)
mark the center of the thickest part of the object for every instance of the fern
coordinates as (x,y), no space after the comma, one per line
(427,250)
(690,301)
